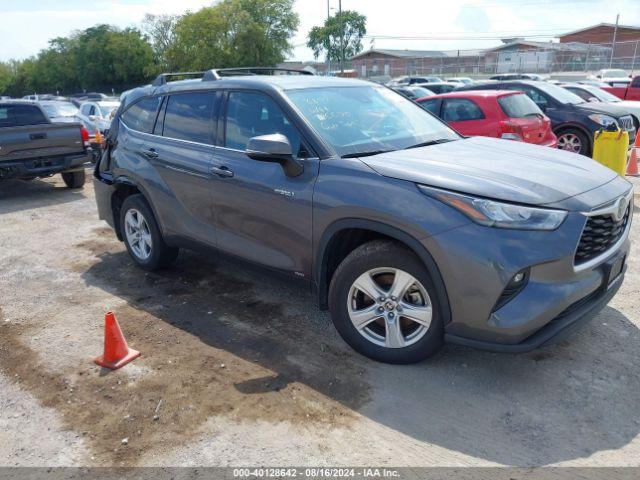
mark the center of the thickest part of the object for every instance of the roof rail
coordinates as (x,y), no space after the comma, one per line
(216,74)
(163,77)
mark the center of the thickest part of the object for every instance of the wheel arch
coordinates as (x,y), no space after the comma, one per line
(124,187)
(338,241)
(575,126)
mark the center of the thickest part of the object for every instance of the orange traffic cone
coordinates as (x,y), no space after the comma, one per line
(116,351)
(632,165)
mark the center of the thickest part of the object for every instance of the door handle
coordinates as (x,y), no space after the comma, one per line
(150,153)
(222,171)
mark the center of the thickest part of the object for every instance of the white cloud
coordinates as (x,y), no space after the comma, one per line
(25,32)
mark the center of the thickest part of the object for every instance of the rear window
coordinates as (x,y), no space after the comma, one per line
(21,115)
(518,106)
(142,115)
(188,117)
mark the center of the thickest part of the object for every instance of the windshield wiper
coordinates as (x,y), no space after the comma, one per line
(430,142)
(365,154)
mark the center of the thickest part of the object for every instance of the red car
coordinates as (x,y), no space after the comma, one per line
(630,91)
(504,114)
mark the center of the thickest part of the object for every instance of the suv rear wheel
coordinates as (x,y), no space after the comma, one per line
(573,140)
(142,236)
(74,179)
(383,304)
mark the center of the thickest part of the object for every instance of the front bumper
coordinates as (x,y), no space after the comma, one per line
(574,317)
(43,167)
(477,263)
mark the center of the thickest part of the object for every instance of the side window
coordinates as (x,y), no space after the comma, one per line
(460,110)
(142,115)
(189,117)
(92,110)
(537,97)
(432,106)
(583,94)
(250,114)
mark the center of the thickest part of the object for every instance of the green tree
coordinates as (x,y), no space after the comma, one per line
(6,77)
(234,33)
(160,29)
(340,37)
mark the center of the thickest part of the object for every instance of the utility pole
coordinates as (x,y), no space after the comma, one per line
(329,49)
(613,44)
(341,38)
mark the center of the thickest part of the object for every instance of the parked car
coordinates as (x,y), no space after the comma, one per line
(594,94)
(410,234)
(493,113)
(101,112)
(517,76)
(628,91)
(464,80)
(59,111)
(410,80)
(33,146)
(611,76)
(413,92)
(440,87)
(573,120)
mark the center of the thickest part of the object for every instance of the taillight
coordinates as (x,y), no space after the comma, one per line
(511,131)
(85,137)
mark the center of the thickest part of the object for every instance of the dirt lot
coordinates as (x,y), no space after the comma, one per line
(243,370)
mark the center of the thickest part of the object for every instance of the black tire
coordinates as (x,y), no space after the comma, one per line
(585,145)
(74,179)
(161,255)
(371,256)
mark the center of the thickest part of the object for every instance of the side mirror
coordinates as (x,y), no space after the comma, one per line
(93,118)
(274,148)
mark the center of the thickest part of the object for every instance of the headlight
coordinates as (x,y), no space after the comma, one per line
(498,214)
(603,120)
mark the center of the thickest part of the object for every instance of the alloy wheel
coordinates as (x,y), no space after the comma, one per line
(389,307)
(138,234)
(569,142)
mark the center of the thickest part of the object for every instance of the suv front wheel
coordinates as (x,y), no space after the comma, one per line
(142,236)
(383,304)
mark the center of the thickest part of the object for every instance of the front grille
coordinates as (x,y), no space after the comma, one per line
(626,123)
(600,233)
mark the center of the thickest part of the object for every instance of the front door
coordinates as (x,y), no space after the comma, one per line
(262,214)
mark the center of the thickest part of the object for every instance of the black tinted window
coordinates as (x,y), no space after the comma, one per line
(189,117)
(142,115)
(250,114)
(20,115)
(432,106)
(460,109)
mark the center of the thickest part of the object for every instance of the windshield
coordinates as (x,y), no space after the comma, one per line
(560,94)
(519,106)
(365,119)
(601,94)
(59,109)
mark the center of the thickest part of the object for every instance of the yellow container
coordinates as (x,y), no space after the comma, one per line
(610,149)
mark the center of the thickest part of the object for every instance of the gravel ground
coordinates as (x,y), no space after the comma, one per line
(243,370)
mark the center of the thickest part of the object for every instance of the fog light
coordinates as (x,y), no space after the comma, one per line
(518,277)
(513,288)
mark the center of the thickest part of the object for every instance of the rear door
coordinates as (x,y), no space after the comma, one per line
(466,117)
(26,132)
(181,150)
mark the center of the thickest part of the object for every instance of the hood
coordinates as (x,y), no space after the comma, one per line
(501,169)
(611,109)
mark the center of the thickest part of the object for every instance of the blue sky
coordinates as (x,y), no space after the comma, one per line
(27,25)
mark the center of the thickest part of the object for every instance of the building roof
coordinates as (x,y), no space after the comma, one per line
(402,53)
(610,25)
(574,46)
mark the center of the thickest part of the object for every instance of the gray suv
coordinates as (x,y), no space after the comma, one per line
(409,233)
